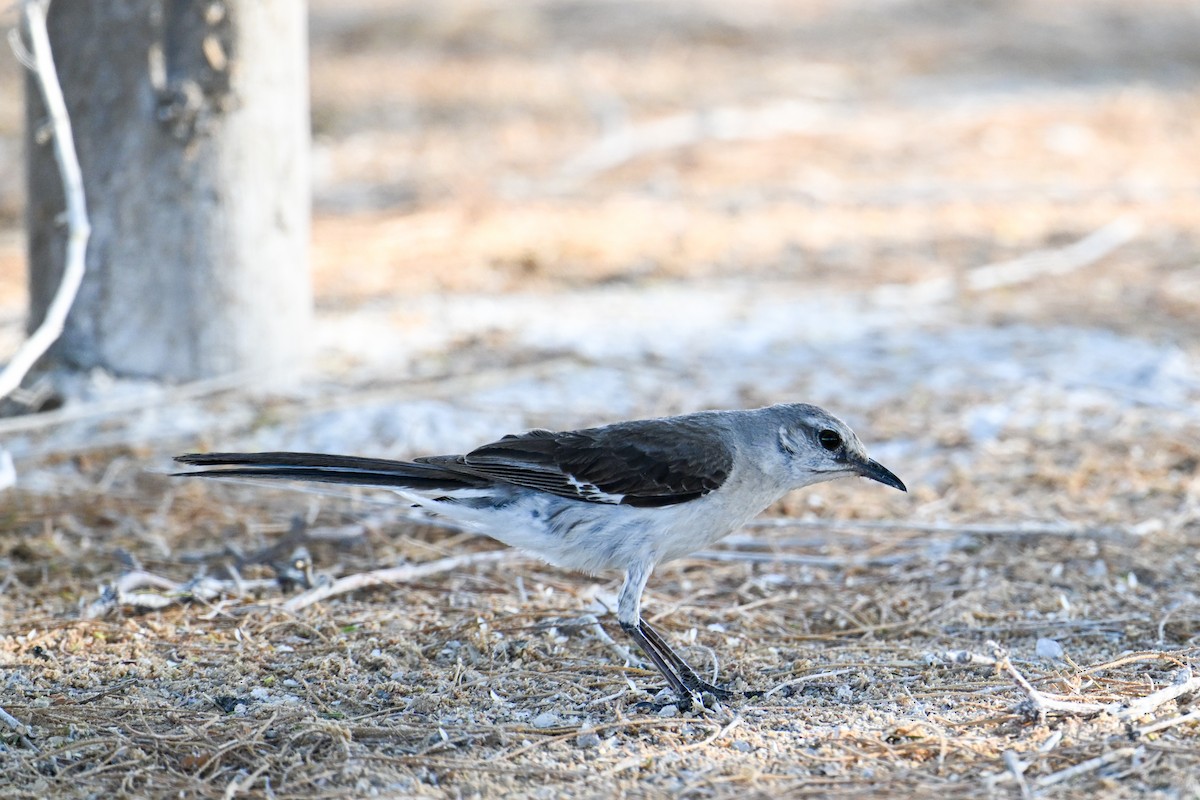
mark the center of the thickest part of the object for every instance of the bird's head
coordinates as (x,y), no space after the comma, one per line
(818,446)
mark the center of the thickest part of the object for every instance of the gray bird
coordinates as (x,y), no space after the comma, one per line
(627,496)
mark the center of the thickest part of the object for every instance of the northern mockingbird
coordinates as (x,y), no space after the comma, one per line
(628,496)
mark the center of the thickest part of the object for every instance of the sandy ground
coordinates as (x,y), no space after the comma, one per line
(972,230)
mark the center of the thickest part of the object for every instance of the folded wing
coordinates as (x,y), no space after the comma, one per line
(645,463)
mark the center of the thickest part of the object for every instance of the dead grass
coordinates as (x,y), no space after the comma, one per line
(470,682)
(946,137)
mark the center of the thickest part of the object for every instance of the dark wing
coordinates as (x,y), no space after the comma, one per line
(643,463)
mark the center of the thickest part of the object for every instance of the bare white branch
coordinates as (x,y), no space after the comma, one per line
(127,591)
(1152,701)
(1059,261)
(78,227)
(1025,269)
(1161,725)
(1043,702)
(627,141)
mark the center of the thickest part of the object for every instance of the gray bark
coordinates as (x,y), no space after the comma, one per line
(192,126)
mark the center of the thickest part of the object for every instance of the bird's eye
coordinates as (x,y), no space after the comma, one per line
(830,440)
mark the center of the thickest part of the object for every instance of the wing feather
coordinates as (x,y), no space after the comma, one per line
(644,463)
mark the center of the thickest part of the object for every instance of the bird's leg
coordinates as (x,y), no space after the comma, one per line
(684,681)
(688,675)
(629,608)
(674,680)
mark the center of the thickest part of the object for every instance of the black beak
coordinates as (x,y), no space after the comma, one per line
(870,468)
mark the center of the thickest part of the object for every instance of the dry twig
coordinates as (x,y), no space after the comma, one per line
(18,727)
(379,577)
(125,592)
(1155,727)
(628,141)
(1186,684)
(1041,703)
(621,651)
(1084,767)
(1027,268)
(816,676)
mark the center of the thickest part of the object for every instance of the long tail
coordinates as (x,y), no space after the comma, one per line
(331,469)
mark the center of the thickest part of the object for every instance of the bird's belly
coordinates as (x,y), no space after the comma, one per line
(575,535)
(591,537)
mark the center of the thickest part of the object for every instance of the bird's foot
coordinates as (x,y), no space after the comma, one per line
(700,695)
(701,687)
(660,709)
(667,703)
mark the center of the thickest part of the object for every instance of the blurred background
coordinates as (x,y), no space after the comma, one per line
(691,184)
(971,229)
(673,178)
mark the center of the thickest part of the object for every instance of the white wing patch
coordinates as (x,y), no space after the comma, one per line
(592,492)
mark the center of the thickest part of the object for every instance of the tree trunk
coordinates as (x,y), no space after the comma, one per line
(191,122)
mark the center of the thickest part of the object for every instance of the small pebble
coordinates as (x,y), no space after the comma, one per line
(589,739)
(671,710)
(1049,649)
(742,747)
(545,720)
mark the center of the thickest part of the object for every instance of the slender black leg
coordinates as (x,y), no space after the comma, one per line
(687,685)
(683,680)
(662,661)
(688,675)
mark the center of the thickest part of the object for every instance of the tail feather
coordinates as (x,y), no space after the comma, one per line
(350,470)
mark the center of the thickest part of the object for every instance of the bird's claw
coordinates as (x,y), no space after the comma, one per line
(700,695)
(681,703)
(702,687)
